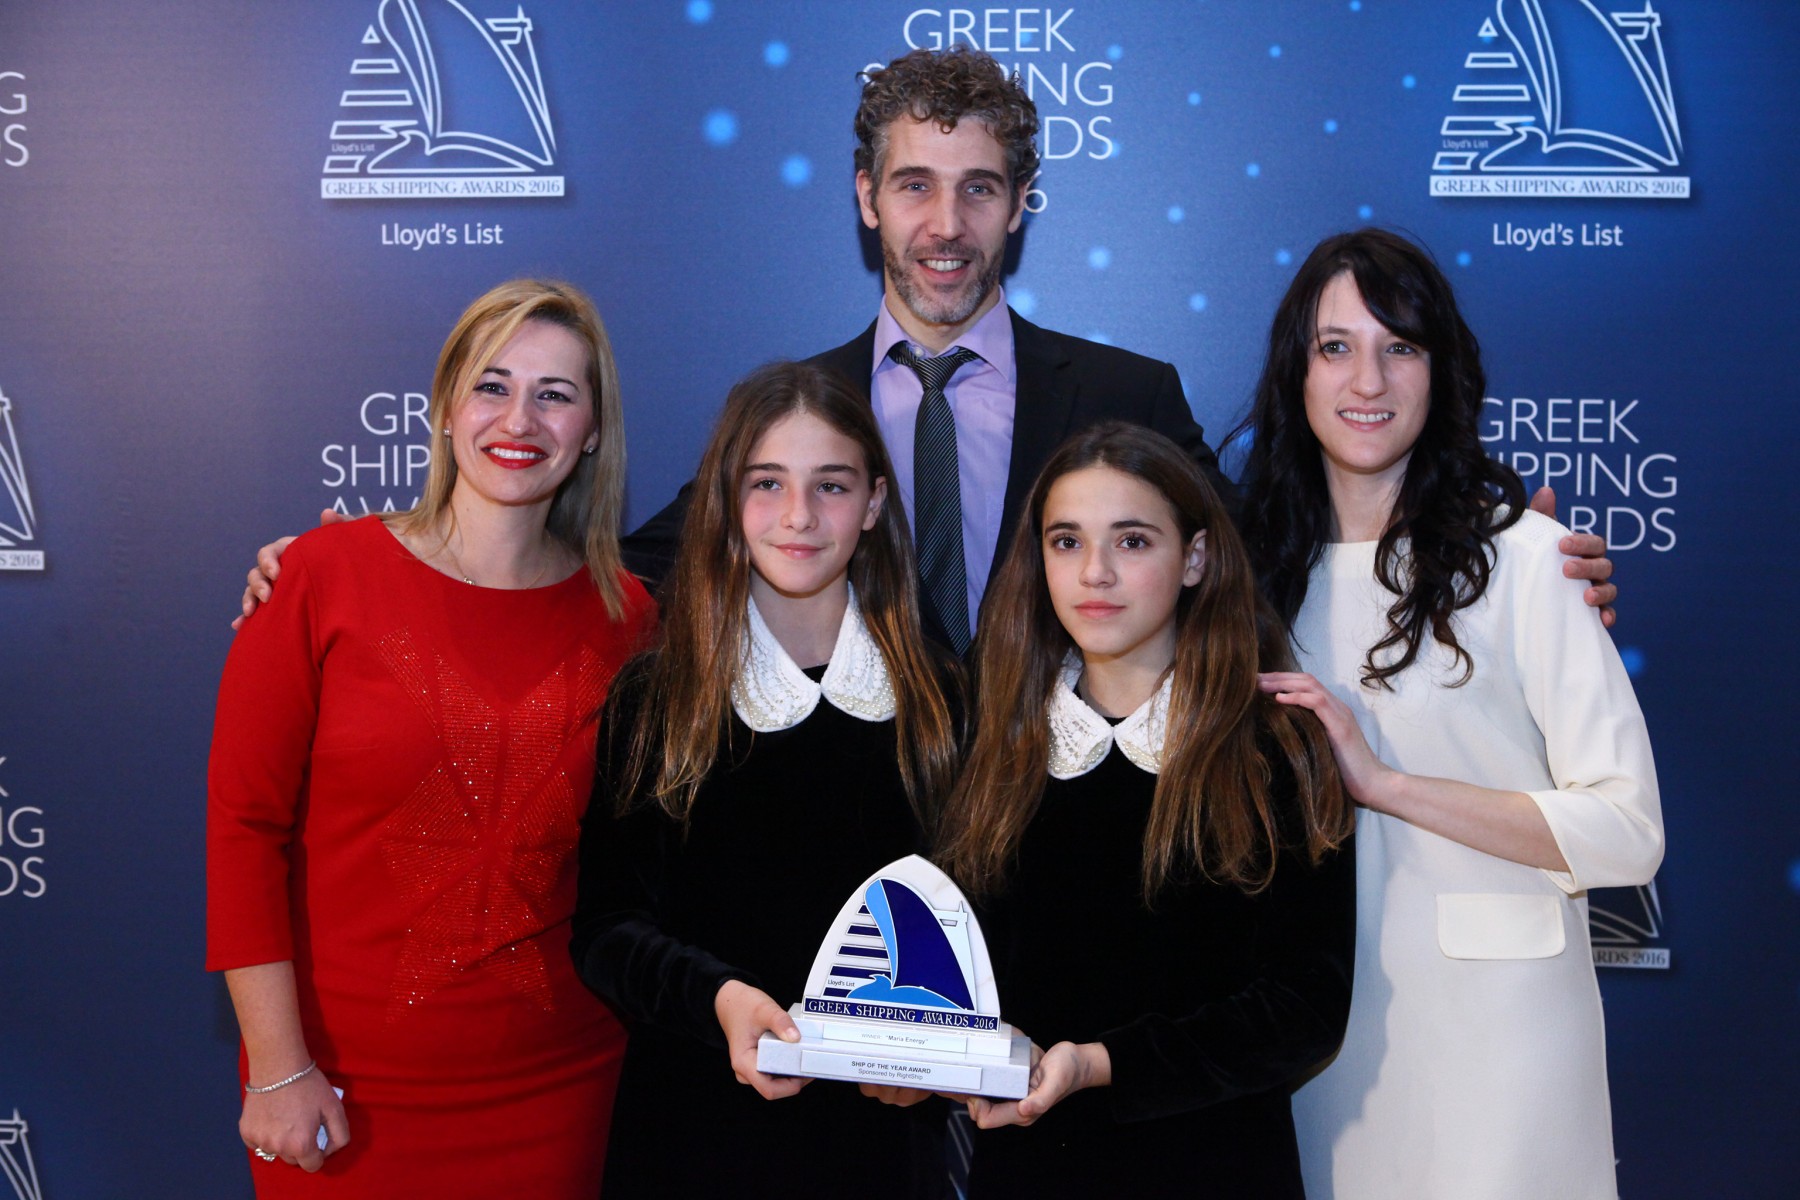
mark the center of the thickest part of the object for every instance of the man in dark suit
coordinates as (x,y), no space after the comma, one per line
(944,155)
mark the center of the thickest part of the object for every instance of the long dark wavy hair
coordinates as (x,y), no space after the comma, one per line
(1437,551)
(1212,809)
(684,720)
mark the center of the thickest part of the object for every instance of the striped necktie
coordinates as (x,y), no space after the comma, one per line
(937,495)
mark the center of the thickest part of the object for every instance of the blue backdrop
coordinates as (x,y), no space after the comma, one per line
(227,260)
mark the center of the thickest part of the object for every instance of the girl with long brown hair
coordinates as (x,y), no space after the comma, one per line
(791,735)
(1156,847)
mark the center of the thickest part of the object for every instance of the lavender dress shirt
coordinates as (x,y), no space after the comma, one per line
(981,396)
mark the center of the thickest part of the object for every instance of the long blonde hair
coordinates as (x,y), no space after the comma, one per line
(585,514)
(685,716)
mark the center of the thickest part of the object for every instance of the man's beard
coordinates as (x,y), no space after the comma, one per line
(946,310)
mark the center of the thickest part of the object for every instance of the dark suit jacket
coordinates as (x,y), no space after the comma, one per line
(1065,384)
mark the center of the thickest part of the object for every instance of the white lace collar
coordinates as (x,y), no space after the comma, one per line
(770,692)
(1080,737)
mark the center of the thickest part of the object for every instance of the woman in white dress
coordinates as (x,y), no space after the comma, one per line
(1482,719)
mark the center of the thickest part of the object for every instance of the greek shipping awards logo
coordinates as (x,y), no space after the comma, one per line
(1564,99)
(386,458)
(18,519)
(1625,926)
(1600,451)
(15,1158)
(444,105)
(1058,60)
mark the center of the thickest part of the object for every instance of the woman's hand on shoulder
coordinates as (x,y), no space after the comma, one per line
(1366,777)
(260,581)
(286,1122)
(745,1014)
(1056,1074)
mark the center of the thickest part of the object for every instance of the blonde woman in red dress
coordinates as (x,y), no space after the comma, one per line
(401,757)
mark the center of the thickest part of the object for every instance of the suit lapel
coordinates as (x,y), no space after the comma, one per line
(1042,403)
(854,360)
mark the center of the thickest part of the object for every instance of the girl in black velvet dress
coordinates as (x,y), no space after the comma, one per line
(791,735)
(1158,850)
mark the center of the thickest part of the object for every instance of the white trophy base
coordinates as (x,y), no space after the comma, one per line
(996,1065)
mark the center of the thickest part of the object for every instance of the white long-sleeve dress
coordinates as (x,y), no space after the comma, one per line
(1474,1066)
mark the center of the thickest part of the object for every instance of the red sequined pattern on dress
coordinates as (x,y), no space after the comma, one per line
(478,846)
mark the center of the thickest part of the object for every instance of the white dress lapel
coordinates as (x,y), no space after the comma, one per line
(769,692)
(1080,737)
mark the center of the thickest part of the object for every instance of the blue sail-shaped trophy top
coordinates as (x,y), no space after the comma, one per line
(923,965)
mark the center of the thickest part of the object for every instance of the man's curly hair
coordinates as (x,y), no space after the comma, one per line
(946,86)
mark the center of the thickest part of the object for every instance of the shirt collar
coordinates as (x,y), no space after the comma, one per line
(1080,737)
(991,337)
(769,691)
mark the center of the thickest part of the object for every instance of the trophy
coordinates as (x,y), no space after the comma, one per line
(902,992)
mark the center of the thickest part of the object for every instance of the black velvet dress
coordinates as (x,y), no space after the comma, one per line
(1211,1007)
(785,828)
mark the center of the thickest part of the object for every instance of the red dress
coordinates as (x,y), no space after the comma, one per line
(400,763)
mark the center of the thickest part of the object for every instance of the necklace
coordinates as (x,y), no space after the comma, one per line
(463,575)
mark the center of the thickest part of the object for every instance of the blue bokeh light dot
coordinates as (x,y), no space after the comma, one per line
(1115,52)
(1407,81)
(721,127)
(1197,301)
(1330,125)
(1632,658)
(1099,258)
(1794,874)
(699,11)
(1464,258)
(1274,51)
(796,170)
(1364,212)
(1022,300)
(1176,214)
(1194,99)
(1355,5)
(1253,170)
(1284,257)
(776,54)
(1094,335)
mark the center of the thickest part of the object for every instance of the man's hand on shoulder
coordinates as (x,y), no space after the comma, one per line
(260,582)
(1587,560)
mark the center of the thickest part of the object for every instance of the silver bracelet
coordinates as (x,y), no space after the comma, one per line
(296,1077)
